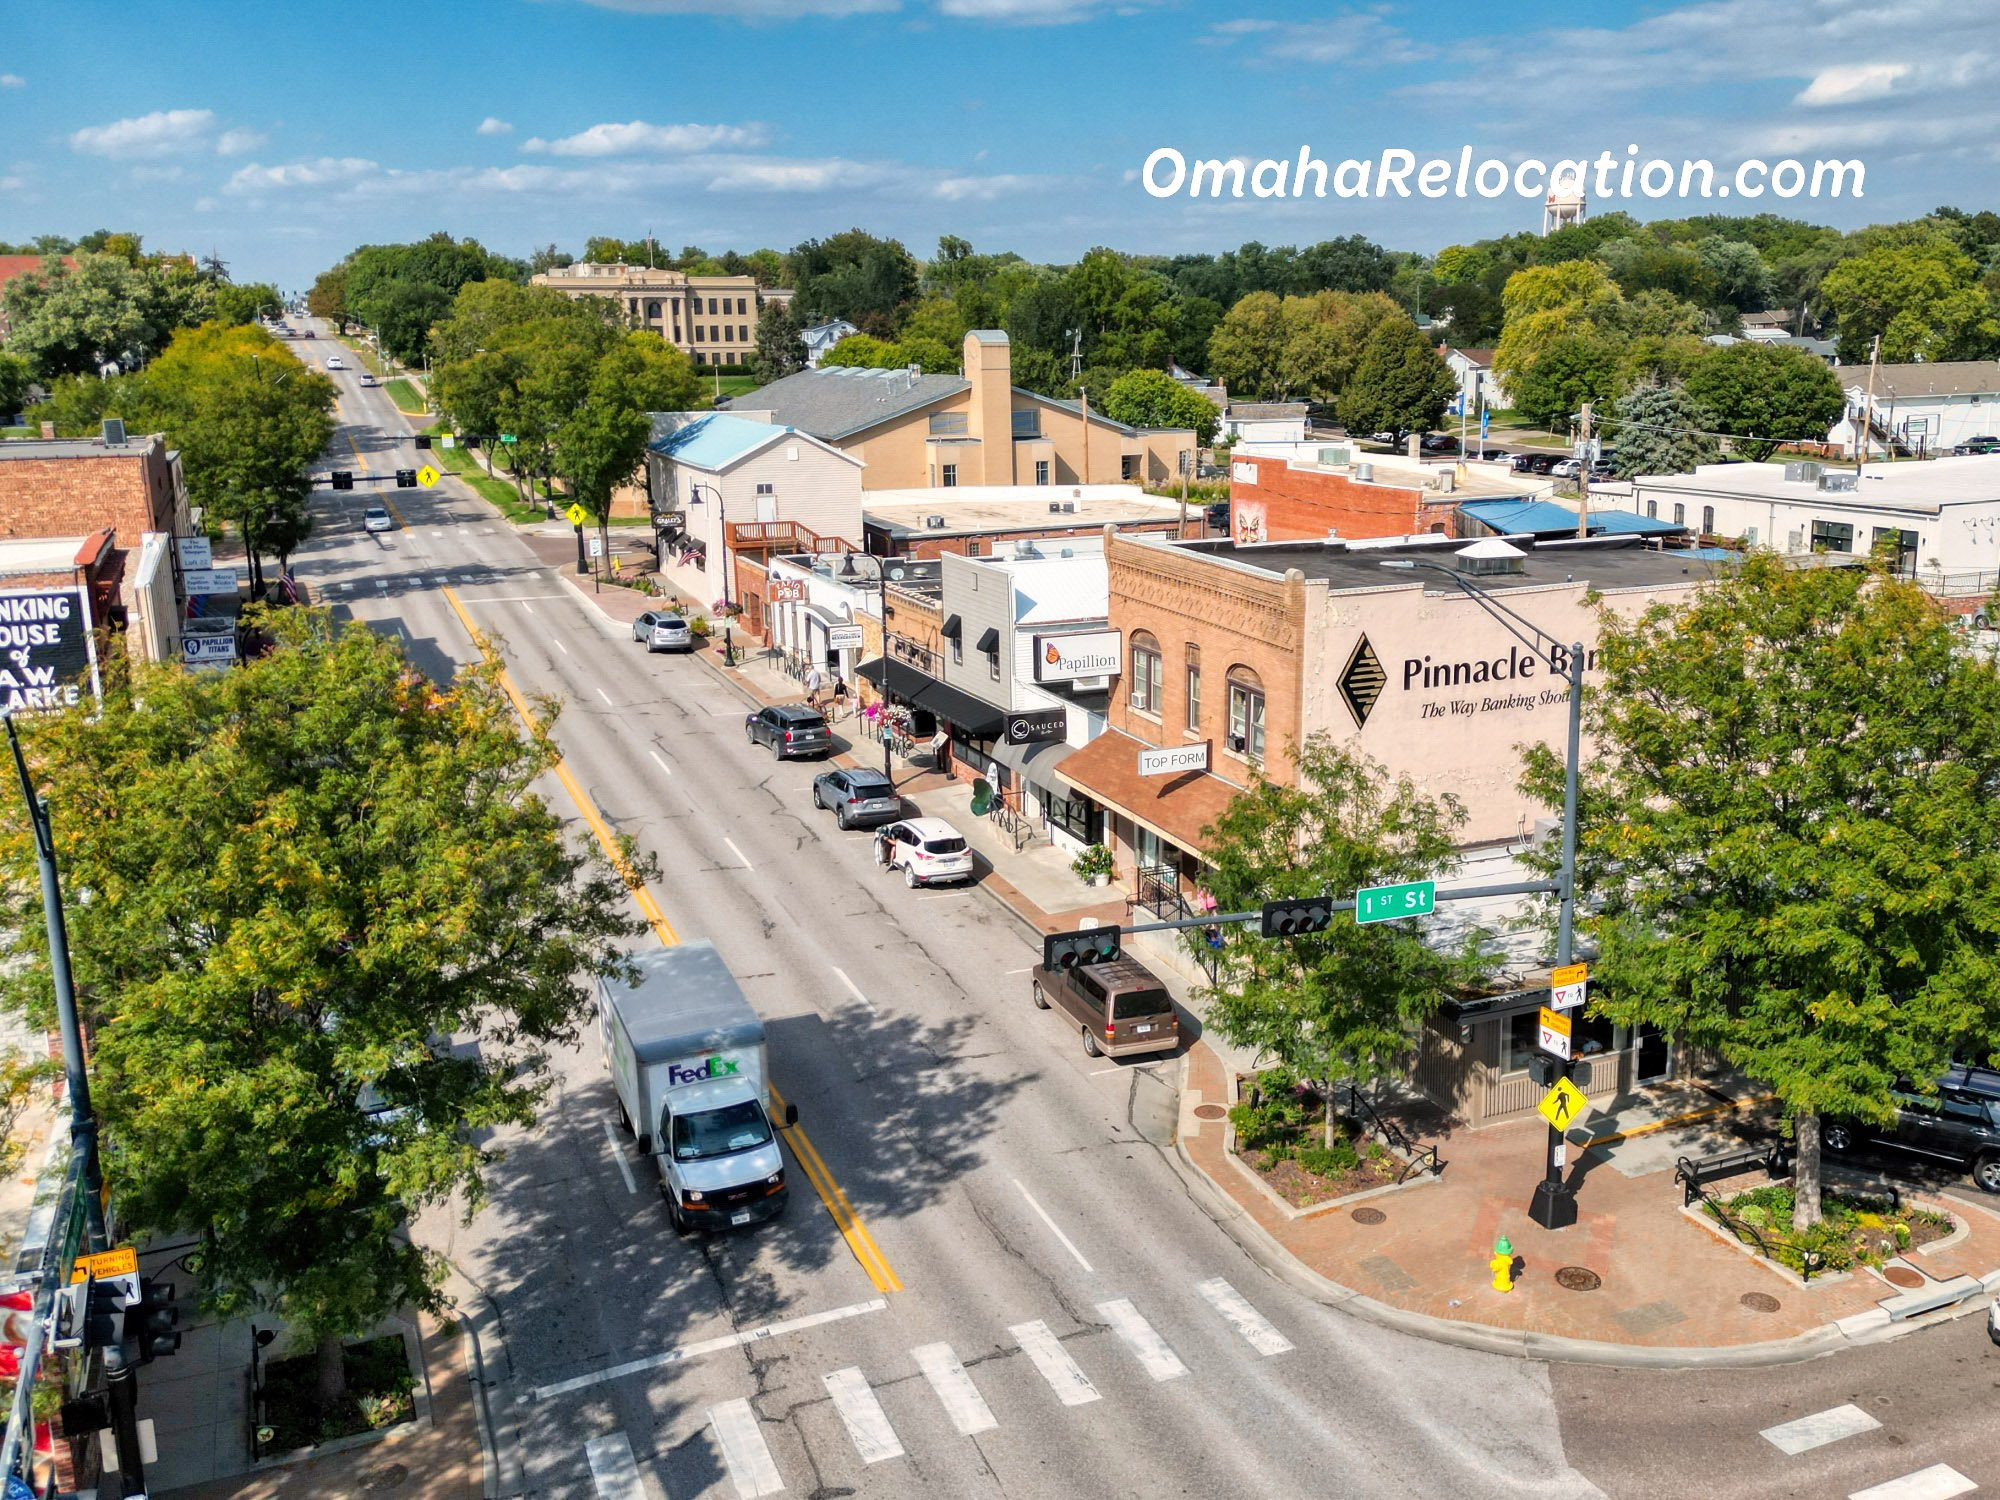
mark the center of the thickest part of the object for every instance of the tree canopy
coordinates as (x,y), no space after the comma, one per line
(1400,384)
(1153,398)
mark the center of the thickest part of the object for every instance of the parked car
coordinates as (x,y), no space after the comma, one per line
(663,630)
(1958,1125)
(1120,1007)
(1568,468)
(791,730)
(1522,463)
(1976,445)
(1601,471)
(859,799)
(926,850)
(377,518)
(1439,442)
(1543,463)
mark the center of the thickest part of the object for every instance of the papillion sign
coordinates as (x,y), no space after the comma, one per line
(1065,658)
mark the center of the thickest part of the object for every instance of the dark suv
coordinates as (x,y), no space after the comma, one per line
(1958,1125)
(790,730)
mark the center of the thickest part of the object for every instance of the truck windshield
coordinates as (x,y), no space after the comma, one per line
(719,1132)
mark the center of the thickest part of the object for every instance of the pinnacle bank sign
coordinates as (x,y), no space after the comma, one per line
(48,656)
(1460,687)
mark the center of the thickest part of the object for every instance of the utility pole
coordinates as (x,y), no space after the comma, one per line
(1868,406)
(1583,485)
(1084,396)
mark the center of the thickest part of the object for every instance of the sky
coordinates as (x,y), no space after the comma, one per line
(281,136)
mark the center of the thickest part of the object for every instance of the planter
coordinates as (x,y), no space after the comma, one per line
(1099,881)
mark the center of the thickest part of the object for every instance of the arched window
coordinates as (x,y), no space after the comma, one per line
(652,312)
(1146,680)
(1246,713)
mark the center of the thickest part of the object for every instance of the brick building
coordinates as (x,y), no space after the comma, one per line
(1283,499)
(986,521)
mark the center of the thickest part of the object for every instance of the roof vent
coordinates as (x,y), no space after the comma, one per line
(1489,558)
(114,432)
(1364,473)
(1839,483)
(934,523)
(1069,552)
(1055,507)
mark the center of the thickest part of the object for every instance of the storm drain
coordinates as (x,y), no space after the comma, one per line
(1366,1215)
(1759,1301)
(1578,1279)
(1210,1112)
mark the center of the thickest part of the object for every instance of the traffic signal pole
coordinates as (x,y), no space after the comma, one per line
(1554,1205)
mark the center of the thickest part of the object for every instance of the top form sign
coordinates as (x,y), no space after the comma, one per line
(48,656)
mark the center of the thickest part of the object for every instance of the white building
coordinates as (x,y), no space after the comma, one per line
(1265,421)
(1925,408)
(1477,384)
(823,336)
(1942,517)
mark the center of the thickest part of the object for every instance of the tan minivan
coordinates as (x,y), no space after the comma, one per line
(1120,1008)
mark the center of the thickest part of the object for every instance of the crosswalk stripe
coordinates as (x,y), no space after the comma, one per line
(1154,1354)
(1806,1433)
(1253,1325)
(612,1468)
(962,1402)
(751,1468)
(867,1423)
(1938,1482)
(1064,1375)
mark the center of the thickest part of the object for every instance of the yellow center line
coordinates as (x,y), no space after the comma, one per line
(859,1241)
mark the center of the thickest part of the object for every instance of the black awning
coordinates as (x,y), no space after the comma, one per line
(954,628)
(974,716)
(990,641)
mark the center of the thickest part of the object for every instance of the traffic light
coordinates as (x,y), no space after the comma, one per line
(406,479)
(343,479)
(1300,915)
(423,440)
(151,1319)
(1092,945)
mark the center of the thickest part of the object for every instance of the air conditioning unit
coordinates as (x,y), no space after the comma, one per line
(1069,507)
(1839,483)
(1055,507)
(934,523)
(1803,471)
(1135,701)
(1236,743)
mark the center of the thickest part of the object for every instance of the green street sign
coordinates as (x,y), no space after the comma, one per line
(1385,903)
(506,437)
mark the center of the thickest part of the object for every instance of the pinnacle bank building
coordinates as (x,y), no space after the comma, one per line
(1250,649)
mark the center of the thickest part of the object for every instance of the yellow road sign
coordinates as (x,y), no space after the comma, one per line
(123,1261)
(1563,1105)
(1569,974)
(427,476)
(576,515)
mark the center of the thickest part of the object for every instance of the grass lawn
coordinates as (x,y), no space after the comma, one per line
(370,361)
(405,396)
(7,432)
(732,385)
(497,492)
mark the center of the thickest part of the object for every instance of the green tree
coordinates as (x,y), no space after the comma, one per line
(1400,383)
(1922,298)
(1248,345)
(1766,395)
(1459,263)
(247,303)
(862,351)
(318,869)
(1660,429)
(779,351)
(854,275)
(1576,368)
(15,376)
(1791,836)
(599,446)
(1153,398)
(328,297)
(1343,1004)
(74,322)
(1543,303)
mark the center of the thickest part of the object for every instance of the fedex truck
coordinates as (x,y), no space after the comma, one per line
(687,1060)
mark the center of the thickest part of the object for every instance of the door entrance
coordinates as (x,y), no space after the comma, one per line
(1650,1059)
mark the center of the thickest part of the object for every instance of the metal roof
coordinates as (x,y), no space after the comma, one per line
(134,446)
(716,441)
(1536,517)
(835,402)
(1947,377)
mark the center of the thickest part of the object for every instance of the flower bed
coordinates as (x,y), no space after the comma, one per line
(1280,1134)
(1854,1230)
(380,1393)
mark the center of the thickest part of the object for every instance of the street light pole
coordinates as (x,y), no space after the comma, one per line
(722,521)
(1554,1204)
(882,615)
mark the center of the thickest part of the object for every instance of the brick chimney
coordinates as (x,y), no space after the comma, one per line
(989,365)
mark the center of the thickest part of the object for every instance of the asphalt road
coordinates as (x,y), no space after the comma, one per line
(1017,1295)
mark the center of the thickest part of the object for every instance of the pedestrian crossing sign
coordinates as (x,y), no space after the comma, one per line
(1563,1105)
(427,476)
(576,515)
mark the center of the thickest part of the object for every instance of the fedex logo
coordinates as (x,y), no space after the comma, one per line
(714,1067)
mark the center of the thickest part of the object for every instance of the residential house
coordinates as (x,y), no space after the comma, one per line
(1265,421)
(1478,386)
(823,336)
(1917,409)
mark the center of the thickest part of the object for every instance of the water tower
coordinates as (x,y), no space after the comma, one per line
(1564,206)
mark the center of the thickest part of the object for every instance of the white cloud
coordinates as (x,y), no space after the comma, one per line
(492,125)
(1358,36)
(1851,83)
(986,189)
(12,81)
(639,138)
(748,10)
(160,133)
(324,171)
(236,142)
(12,184)
(1034,12)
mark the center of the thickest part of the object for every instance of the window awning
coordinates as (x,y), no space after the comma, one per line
(1176,808)
(975,716)
(990,641)
(954,628)
(1035,761)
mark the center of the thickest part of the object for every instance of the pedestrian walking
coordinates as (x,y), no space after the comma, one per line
(839,695)
(813,681)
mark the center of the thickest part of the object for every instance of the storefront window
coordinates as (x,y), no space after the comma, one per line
(1522,1032)
(1076,816)
(1246,713)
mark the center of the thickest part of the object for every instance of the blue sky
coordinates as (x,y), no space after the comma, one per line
(280,136)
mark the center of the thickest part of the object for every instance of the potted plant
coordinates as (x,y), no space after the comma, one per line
(726,609)
(1093,865)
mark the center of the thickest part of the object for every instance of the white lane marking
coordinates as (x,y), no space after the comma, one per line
(1830,1426)
(660,763)
(1064,1375)
(1012,972)
(738,852)
(867,1423)
(837,974)
(524,604)
(612,1468)
(962,1402)
(516,598)
(1100,1072)
(559,645)
(707,1346)
(618,1155)
(1938,1482)
(605,696)
(1052,1226)
(401,631)
(437,533)
(1247,1321)
(1154,1353)
(751,1468)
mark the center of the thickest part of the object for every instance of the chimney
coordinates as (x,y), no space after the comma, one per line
(990,405)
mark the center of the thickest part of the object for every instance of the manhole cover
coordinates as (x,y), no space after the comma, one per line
(1370,1216)
(1579,1279)
(1903,1277)
(386,1478)
(1759,1301)
(1210,1112)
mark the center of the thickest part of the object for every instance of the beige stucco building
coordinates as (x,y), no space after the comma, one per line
(915,430)
(711,318)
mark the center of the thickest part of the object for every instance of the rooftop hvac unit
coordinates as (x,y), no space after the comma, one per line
(1803,471)
(1333,458)
(1364,472)
(1839,483)
(1055,507)
(1069,507)
(934,523)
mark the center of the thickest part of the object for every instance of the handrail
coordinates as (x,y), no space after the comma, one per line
(1415,1156)
(1689,1173)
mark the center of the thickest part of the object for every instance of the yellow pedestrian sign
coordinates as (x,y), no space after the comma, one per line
(427,476)
(576,515)
(1563,1105)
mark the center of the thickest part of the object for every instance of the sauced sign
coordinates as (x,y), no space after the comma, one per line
(1520,680)
(47,656)
(703,1072)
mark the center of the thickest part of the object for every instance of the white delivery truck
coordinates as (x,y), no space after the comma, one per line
(687,1059)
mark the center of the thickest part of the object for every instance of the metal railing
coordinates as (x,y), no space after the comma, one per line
(1415,1157)
(1009,818)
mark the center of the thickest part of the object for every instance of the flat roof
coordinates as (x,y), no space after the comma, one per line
(40,554)
(1609,563)
(1923,485)
(136,445)
(980,509)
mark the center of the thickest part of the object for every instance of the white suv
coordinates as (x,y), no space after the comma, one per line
(928,850)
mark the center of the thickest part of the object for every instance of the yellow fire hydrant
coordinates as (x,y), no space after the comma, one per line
(1503,1264)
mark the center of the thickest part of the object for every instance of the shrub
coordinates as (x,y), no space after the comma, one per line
(1329,1161)
(1093,862)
